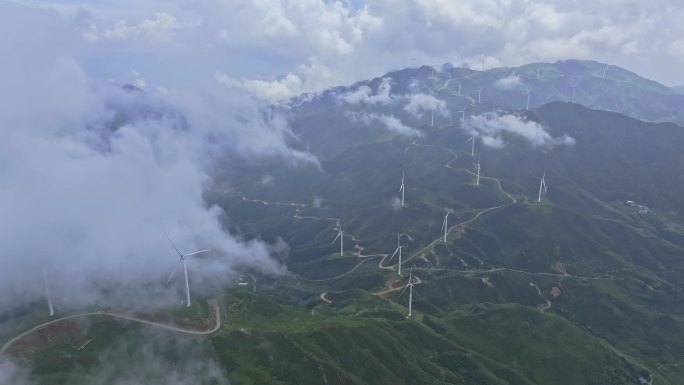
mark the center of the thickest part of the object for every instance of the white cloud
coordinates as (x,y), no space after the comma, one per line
(490,126)
(418,103)
(162,28)
(91,172)
(364,94)
(312,76)
(493,141)
(137,79)
(11,373)
(508,83)
(390,122)
(353,41)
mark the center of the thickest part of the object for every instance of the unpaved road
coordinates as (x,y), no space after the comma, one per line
(123,317)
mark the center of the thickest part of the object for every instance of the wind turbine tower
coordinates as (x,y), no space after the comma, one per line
(340,234)
(472,147)
(183,259)
(459,88)
(47,294)
(462,118)
(542,185)
(529,93)
(402,189)
(477,167)
(409,286)
(445,224)
(397,250)
(479,95)
(432,118)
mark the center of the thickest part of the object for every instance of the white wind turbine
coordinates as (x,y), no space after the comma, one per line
(402,189)
(409,286)
(463,113)
(397,250)
(472,147)
(459,88)
(182,259)
(479,95)
(47,294)
(445,224)
(432,117)
(462,117)
(340,234)
(477,167)
(529,93)
(542,185)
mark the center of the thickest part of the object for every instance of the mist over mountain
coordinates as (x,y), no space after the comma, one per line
(287,193)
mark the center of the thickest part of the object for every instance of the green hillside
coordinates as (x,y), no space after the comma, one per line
(579,288)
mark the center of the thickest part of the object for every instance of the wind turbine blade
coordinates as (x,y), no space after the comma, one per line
(197,252)
(171,242)
(338,235)
(174,271)
(187,284)
(47,294)
(402,292)
(395,253)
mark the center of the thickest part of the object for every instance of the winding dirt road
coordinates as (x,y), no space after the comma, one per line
(122,317)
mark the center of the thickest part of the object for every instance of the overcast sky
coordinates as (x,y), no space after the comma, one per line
(277,48)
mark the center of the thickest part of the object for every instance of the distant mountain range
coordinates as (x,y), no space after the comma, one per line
(566,283)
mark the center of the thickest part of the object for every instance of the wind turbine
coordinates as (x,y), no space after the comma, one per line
(409,286)
(398,250)
(529,93)
(463,113)
(459,89)
(340,234)
(432,118)
(183,258)
(479,94)
(477,167)
(542,184)
(47,294)
(472,148)
(402,189)
(445,224)
(604,71)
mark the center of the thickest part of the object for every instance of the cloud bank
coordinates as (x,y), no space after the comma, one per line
(92,173)
(364,94)
(420,102)
(387,121)
(508,83)
(490,127)
(312,45)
